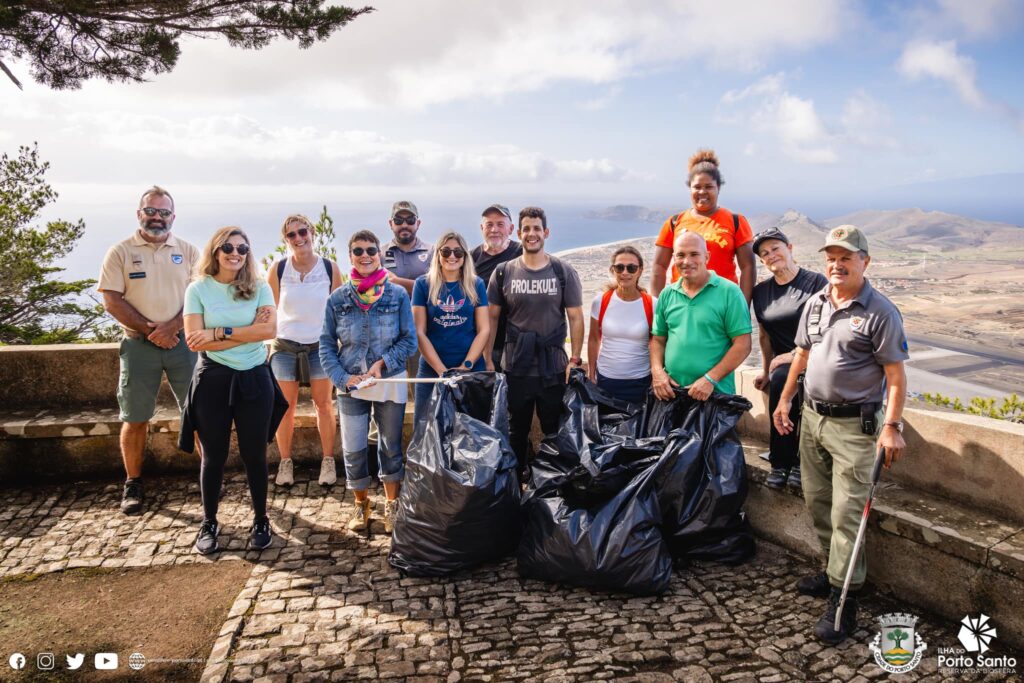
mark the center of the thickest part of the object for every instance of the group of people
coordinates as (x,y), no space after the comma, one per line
(205,318)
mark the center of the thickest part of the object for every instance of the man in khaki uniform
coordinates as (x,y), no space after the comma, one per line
(143,281)
(851,343)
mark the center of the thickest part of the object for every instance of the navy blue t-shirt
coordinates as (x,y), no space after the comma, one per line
(451,321)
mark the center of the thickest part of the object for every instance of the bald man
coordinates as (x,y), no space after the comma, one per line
(701,330)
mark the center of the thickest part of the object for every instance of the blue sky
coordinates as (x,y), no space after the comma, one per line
(806,101)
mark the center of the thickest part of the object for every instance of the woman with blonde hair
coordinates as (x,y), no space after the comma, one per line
(301,283)
(727,234)
(449,305)
(229,313)
(618,355)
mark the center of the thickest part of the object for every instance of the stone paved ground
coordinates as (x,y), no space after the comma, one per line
(323,604)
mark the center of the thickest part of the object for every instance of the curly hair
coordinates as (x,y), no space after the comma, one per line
(704,161)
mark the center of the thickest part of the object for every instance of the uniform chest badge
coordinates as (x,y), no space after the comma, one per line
(856,322)
(177,259)
(423,256)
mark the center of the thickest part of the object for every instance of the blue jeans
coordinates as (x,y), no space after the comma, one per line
(632,390)
(354,416)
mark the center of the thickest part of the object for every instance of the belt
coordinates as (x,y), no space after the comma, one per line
(840,409)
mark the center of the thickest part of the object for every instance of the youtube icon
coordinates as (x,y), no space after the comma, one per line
(105,661)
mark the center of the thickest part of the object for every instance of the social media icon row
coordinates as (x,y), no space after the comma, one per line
(45,661)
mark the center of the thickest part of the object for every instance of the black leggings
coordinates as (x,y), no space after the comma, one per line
(223,396)
(525,395)
(784,449)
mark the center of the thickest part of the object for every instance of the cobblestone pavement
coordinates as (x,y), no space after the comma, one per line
(323,604)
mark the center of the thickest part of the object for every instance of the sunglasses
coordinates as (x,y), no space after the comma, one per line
(229,248)
(629,267)
(150,211)
(446,252)
(398,220)
(370,251)
(301,232)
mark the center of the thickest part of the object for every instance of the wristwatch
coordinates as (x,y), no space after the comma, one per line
(228,332)
(897,424)
(468,364)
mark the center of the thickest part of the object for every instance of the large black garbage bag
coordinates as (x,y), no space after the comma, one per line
(598,528)
(460,501)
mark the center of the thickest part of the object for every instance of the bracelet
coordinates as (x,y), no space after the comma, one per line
(708,378)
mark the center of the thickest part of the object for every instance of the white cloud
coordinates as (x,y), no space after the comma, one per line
(867,123)
(980,18)
(603,101)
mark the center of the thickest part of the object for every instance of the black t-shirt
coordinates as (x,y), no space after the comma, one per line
(486,263)
(778,307)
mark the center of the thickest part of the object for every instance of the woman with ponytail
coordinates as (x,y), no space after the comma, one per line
(728,235)
(369,334)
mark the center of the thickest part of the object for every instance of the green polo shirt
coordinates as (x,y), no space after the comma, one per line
(700,330)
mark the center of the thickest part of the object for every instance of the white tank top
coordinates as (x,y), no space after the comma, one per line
(300,316)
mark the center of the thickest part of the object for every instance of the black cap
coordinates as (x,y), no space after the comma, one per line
(769,234)
(499,208)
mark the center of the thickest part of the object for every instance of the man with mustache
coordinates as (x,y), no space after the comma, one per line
(406,256)
(143,281)
(496,226)
(851,343)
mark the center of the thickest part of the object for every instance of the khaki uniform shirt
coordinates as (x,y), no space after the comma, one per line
(152,277)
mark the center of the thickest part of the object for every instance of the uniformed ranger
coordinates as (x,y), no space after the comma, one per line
(851,345)
(143,281)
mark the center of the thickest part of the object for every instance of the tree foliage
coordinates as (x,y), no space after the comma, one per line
(323,243)
(69,41)
(35,307)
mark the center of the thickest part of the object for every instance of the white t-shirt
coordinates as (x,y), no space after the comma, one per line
(625,338)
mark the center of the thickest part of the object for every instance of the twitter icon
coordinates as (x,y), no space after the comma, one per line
(76,661)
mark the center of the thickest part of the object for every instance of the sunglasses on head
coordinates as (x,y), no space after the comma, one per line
(229,248)
(370,251)
(446,252)
(630,267)
(408,220)
(150,211)
(301,232)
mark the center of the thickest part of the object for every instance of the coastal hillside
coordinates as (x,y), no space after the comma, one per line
(935,231)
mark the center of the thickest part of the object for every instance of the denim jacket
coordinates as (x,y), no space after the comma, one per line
(353,339)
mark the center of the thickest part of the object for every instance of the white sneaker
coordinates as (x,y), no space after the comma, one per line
(390,506)
(285,473)
(328,475)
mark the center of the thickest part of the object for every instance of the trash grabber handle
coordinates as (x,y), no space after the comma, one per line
(876,473)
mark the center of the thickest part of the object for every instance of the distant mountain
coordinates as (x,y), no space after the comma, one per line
(933,230)
(629,213)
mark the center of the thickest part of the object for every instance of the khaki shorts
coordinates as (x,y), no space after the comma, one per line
(143,365)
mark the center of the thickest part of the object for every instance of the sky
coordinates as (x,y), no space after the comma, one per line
(809,103)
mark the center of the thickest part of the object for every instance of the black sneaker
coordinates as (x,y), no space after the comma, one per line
(815,585)
(261,536)
(825,628)
(131,498)
(794,482)
(777,478)
(206,541)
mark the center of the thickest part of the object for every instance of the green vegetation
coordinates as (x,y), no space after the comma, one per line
(898,636)
(1010,408)
(323,243)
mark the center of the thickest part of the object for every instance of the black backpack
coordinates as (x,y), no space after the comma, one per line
(674,221)
(327,267)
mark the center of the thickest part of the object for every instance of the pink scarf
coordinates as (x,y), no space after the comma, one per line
(369,288)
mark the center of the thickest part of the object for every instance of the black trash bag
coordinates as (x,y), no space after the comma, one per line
(460,501)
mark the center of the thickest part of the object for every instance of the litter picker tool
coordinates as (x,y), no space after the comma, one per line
(450,381)
(876,473)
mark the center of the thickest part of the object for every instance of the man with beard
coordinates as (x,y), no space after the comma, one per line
(143,281)
(406,257)
(535,293)
(497,226)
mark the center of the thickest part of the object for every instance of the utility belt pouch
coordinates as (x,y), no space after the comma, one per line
(868,424)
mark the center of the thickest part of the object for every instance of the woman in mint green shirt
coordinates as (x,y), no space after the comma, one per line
(229,313)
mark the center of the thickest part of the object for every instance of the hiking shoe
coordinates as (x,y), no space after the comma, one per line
(361,518)
(777,478)
(285,473)
(261,536)
(131,497)
(328,475)
(815,585)
(825,628)
(206,541)
(390,507)
(794,482)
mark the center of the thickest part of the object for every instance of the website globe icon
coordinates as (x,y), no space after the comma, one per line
(136,661)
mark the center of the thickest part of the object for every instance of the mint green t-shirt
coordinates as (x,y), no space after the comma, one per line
(216,302)
(700,330)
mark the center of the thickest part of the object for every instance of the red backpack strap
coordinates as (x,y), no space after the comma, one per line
(605,300)
(648,309)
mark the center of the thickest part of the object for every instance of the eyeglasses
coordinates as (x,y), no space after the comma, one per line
(150,211)
(301,232)
(370,251)
(446,252)
(630,267)
(229,248)
(398,220)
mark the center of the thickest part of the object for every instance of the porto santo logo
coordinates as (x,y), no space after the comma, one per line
(976,635)
(898,648)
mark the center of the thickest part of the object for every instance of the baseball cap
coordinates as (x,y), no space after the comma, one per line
(769,234)
(399,207)
(848,237)
(499,208)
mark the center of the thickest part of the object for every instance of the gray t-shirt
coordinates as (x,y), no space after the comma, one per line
(845,365)
(533,300)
